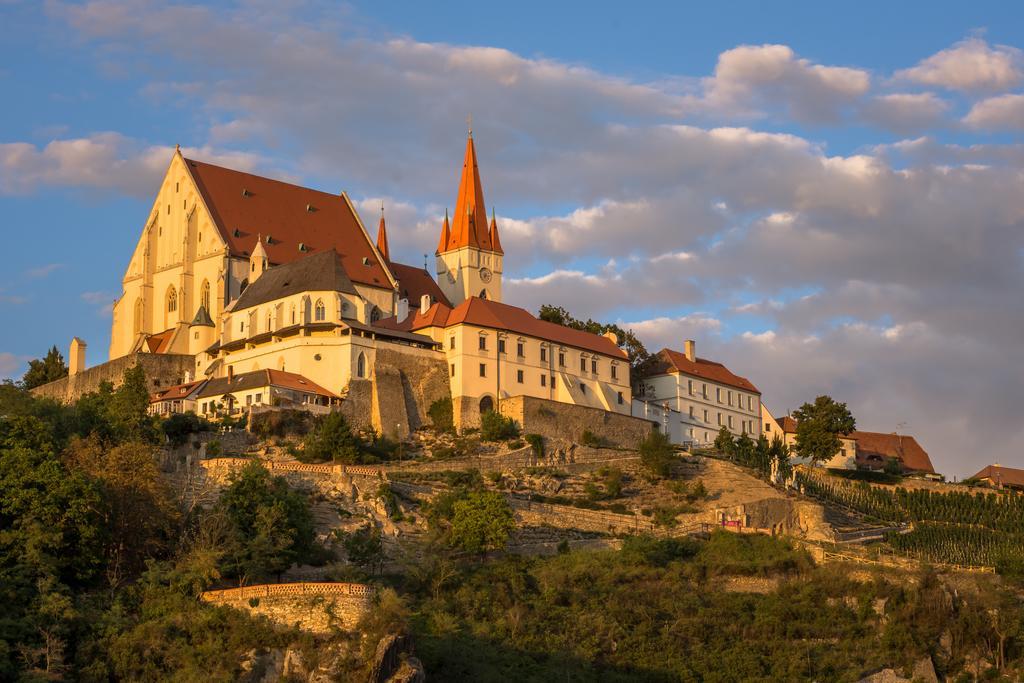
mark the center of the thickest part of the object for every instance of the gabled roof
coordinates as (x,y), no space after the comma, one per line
(414,282)
(323,272)
(1005,476)
(668,361)
(499,316)
(177,392)
(787,424)
(469,224)
(244,206)
(158,343)
(262,378)
(899,446)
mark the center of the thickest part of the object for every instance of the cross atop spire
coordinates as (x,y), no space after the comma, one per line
(469,124)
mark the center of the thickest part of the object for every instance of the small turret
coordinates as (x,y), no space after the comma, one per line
(258,262)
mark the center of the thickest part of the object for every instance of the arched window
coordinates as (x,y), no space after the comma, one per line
(172,299)
(361,366)
(293,314)
(204,296)
(321,312)
(270,322)
(483,293)
(375,314)
(486,404)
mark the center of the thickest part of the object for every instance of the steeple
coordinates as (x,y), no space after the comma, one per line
(382,237)
(469,224)
(258,260)
(446,235)
(495,242)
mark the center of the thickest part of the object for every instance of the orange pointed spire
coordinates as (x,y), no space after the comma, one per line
(382,237)
(495,242)
(469,226)
(446,235)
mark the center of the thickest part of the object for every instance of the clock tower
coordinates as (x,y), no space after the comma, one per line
(469,253)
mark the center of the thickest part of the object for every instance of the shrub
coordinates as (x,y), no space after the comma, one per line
(593,440)
(656,454)
(536,441)
(280,423)
(442,415)
(213,448)
(516,445)
(481,521)
(179,426)
(332,439)
(496,427)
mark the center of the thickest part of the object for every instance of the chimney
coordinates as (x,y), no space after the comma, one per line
(76,357)
(402,310)
(231,373)
(425,304)
(690,349)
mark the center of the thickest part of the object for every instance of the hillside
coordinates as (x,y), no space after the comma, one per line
(484,556)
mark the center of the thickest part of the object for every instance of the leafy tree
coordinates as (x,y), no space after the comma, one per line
(724,442)
(442,414)
(40,372)
(481,521)
(778,452)
(363,546)
(656,453)
(178,427)
(271,526)
(818,426)
(628,341)
(129,407)
(332,439)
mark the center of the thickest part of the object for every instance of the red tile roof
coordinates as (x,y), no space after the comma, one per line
(261,378)
(787,424)
(414,282)
(469,224)
(157,343)
(669,361)
(176,392)
(1005,476)
(244,206)
(499,316)
(899,446)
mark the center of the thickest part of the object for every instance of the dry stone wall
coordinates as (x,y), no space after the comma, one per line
(162,370)
(319,608)
(565,422)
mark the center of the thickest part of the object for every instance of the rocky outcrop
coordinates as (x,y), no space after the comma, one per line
(393,662)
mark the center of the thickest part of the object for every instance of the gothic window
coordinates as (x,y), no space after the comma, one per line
(172,299)
(293,314)
(137,321)
(483,293)
(321,312)
(375,314)
(361,366)
(204,296)
(270,322)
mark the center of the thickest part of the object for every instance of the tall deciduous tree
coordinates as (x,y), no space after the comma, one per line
(818,426)
(50,368)
(628,341)
(482,521)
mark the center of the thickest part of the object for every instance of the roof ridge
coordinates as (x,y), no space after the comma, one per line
(262,177)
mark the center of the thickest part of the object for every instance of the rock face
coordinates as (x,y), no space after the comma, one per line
(924,672)
(393,663)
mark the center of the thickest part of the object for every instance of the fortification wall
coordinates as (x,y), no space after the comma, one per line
(319,608)
(572,458)
(565,422)
(162,369)
(424,379)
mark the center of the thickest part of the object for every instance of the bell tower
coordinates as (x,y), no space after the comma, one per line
(469,253)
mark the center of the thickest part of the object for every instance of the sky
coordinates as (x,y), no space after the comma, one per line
(829,199)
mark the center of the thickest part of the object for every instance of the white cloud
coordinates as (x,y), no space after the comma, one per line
(971,65)
(44,271)
(905,112)
(11,364)
(1003,112)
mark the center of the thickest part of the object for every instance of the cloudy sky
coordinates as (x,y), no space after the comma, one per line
(828,200)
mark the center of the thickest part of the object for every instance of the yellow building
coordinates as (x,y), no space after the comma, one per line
(705,396)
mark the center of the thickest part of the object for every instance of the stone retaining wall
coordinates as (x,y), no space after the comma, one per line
(565,422)
(162,370)
(319,608)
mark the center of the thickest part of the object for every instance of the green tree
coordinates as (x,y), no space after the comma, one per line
(363,546)
(442,415)
(496,427)
(481,521)
(270,526)
(40,372)
(724,442)
(656,453)
(129,407)
(332,439)
(818,426)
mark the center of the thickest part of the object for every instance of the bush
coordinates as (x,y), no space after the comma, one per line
(481,521)
(179,426)
(213,448)
(496,427)
(281,423)
(442,415)
(593,440)
(536,441)
(656,454)
(332,439)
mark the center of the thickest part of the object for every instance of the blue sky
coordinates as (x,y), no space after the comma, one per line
(827,197)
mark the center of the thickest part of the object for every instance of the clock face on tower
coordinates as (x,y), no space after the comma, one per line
(485,275)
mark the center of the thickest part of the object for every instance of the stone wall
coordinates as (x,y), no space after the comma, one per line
(568,517)
(319,608)
(357,404)
(571,458)
(565,422)
(162,370)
